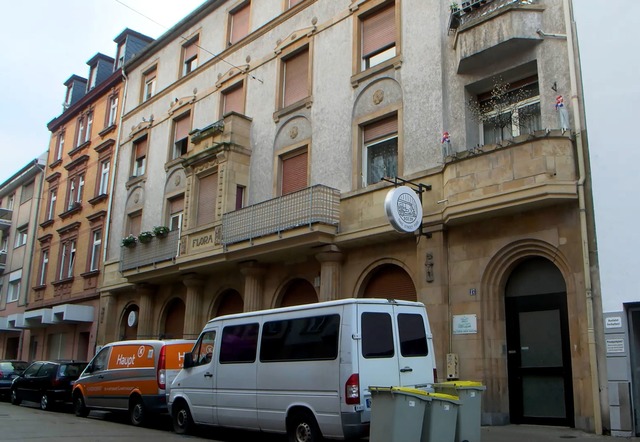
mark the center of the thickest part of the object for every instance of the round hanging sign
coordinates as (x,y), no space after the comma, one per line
(404,209)
(132,319)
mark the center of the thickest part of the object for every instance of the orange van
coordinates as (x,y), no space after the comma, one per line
(131,376)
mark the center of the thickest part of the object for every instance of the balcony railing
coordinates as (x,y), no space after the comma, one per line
(469,10)
(5,218)
(154,252)
(313,205)
(3,260)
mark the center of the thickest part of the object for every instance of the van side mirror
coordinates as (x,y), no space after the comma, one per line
(188,360)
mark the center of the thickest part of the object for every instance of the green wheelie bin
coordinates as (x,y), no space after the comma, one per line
(470,411)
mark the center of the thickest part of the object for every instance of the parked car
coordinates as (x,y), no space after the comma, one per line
(8,370)
(46,382)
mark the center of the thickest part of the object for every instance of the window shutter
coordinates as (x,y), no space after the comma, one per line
(176,205)
(182,128)
(391,282)
(379,30)
(294,173)
(234,100)
(191,50)
(298,293)
(296,73)
(208,188)
(141,148)
(381,128)
(231,303)
(239,24)
(135,224)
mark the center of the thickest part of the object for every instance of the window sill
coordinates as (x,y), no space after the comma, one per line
(107,130)
(302,104)
(79,148)
(135,180)
(47,223)
(76,208)
(395,63)
(98,199)
(39,288)
(90,274)
(55,164)
(62,281)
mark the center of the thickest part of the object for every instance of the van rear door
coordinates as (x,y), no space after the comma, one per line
(414,358)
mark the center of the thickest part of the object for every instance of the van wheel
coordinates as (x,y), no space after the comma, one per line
(44,402)
(137,412)
(182,422)
(302,427)
(15,400)
(79,408)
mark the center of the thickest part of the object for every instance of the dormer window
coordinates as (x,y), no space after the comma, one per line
(93,76)
(67,98)
(120,57)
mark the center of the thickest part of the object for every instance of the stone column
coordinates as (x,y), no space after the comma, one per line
(253,285)
(330,259)
(108,318)
(193,307)
(145,304)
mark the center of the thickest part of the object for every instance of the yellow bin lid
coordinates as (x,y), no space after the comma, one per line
(461,384)
(418,392)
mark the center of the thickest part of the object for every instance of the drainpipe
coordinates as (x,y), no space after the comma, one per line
(575,104)
(115,167)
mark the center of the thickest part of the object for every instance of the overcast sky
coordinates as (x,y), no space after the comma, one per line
(44,42)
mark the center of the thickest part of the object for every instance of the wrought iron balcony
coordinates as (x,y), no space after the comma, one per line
(313,205)
(145,254)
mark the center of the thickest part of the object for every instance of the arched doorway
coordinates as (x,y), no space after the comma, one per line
(129,323)
(174,320)
(390,281)
(538,345)
(298,292)
(230,302)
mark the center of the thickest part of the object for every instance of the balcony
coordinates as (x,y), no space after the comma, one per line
(487,31)
(150,254)
(3,260)
(5,218)
(306,208)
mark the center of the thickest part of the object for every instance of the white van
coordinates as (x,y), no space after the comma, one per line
(303,370)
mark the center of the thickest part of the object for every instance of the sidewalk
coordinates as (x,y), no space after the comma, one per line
(535,433)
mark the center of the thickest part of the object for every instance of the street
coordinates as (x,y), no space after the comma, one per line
(28,423)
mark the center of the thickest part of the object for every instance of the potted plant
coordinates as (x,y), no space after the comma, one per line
(161,231)
(129,241)
(145,237)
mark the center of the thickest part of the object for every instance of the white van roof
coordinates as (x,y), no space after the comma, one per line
(317,305)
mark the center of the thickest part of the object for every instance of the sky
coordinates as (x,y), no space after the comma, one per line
(44,42)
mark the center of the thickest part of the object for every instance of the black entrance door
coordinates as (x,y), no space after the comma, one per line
(539,364)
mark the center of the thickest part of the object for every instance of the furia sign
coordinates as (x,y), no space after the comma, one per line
(404,209)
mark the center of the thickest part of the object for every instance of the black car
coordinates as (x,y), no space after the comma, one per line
(46,382)
(8,370)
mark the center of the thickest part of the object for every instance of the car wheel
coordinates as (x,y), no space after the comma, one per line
(79,407)
(15,399)
(302,427)
(45,404)
(137,412)
(182,422)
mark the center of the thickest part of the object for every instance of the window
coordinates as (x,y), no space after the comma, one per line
(81,131)
(239,343)
(190,57)
(112,112)
(120,56)
(176,208)
(99,362)
(76,187)
(67,259)
(508,110)
(294,171)
(295,78)
(52,204)
(139,157)
(202,352)
(11,201)
(377,335)
(27,192)
(378,31)
(302,339)
(93,76)
(239,23)
(4,246)
(87,133)
(103,185)
(135,224)
(13,291)
(59,147)
(413,337)
(239,197)
(207,193)
(67,98)
(149,84)
(380,155)
(21,237)
(181,129)
(96,245)
(233,99)
(44,266)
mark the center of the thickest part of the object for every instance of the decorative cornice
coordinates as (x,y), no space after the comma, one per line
(68,228)
(77,162)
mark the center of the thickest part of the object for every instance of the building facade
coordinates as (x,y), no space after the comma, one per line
(19,205)
(260,140)
(60,321)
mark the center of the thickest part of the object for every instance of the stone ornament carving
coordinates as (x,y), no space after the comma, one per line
(429,267)
(293,132)
(177,180)
(378,97)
